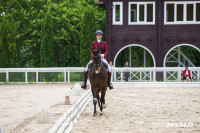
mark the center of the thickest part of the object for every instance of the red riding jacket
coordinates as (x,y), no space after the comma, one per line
(103,47)
(184,72)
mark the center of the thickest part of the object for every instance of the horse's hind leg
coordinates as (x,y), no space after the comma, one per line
(94,101)
(102,101)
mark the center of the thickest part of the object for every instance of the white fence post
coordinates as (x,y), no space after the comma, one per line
(68,76)
(154,75)
(36,76)
(150,76)
(26,77)
(7,76)
(65,80)
(165,76)
(179,74)
(121,75)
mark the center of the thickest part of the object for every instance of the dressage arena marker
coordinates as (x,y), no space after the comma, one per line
(43,113)
(69,118)
(67,94)
(76,89)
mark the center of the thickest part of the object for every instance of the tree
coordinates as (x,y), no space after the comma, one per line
(8,34)
(47,53)
(87,35)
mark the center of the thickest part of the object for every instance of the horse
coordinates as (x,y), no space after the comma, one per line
(99,80)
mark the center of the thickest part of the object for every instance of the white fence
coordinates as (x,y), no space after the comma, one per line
(69,118)
(75,74)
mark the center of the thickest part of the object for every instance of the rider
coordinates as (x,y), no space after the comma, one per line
(103,53)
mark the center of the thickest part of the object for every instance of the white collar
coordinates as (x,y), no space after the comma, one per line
(98,41)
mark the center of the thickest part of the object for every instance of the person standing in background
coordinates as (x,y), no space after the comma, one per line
(126,74)
(186,74)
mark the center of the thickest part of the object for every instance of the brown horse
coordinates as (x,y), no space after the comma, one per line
(99,80)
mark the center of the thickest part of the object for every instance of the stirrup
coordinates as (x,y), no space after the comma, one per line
(110,86)
(83,86)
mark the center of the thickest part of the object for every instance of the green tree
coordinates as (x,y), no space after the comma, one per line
(47,53)
(8,42)
(88,28)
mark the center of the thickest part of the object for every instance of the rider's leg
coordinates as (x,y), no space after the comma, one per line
(109,73)
(87,68)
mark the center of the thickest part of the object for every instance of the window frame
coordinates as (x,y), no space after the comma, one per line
(145,13)
(121,13)
(184,3)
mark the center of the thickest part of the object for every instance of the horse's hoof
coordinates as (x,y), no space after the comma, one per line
(95,114)
(101,113)
(104,105)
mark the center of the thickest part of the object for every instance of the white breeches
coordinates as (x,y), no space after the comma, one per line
(109,68)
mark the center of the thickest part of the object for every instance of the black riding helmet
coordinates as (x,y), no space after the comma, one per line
(99,32)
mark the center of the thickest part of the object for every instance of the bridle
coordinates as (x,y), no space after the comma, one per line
(97,64)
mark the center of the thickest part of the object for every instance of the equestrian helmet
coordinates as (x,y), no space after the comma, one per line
(99,32)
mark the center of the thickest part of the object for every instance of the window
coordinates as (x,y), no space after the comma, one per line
(117,13)
(170,12)
(184,12)
(141,13)
(149,13)
(190,12)
(198,12)
(180,11)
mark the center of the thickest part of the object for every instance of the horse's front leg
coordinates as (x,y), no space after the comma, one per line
(103,92)
(103,98)
(94,100)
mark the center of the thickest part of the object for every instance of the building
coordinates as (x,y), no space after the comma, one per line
(159,26)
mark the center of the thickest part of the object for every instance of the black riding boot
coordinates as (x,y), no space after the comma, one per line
(84,85)
(109,79)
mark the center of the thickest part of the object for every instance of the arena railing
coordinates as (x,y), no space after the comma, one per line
(75,74)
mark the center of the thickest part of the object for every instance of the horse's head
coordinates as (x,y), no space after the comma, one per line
(96,59)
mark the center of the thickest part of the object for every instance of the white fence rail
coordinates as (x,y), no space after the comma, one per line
(69,118)
(75,74)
